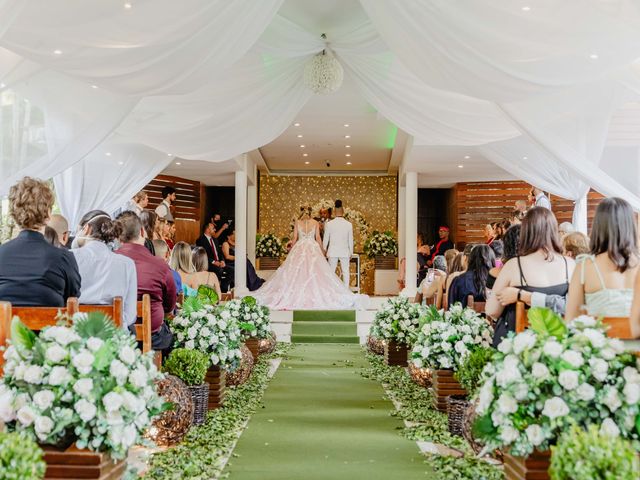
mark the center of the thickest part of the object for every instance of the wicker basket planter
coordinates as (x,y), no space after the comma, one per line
(75,463)
(268,263)
(421,376)
(216,380)
(456,408)
(444,385)
(375,345)
(385,262)
(470,416)
(395,354)
(533,467)
(200,397)
(253,344)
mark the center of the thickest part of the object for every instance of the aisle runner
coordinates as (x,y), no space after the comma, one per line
(324,421)
(324,326)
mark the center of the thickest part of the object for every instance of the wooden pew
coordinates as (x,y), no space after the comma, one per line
(35,318)
(479,307)
(143,325)
(619,327)
(113,310)
(522,321)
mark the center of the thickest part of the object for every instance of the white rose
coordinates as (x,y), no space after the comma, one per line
(460,347)
(445,362)
(521,392)
(112,401)
(573,358)
(599,368)
(83,361)
(225,314)
(510,371)
(26,416)
(129,436)
(119,371)
(631,393)
(83,387)
(59,376)
(132,403)
(540,371)
(524,341)
(607,354)
(569,379)
(507,404)
(509,435)
(535,434)
(631,375)
(552,348)
(43,399)
(617,345)
(596,337)
(33,374)
(445,346)
(190,345)
(555,407)
(7,410)
(55,353)
(612,399)
(43,426)
(584,321)
(485,397)
(114,418)
(138,377)
(609,428)
(586,392)
(94,344)
(85,410)
(127,355)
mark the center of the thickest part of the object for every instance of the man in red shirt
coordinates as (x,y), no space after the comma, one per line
(442,246)
(154,278)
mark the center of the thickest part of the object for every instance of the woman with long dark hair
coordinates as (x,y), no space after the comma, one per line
(474,280)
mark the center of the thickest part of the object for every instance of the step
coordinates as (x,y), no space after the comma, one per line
(324,328)
(323,339)
(324,316)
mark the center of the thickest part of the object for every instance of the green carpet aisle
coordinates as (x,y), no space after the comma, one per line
(324,421)
(324,326)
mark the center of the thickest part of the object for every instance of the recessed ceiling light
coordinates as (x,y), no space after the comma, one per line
(94,86)
(347,154)
(108,154)
(460,166)
(302,146)
(57,52)
(346,124)
(347,136)
(526,8)
(300,136)
(467,157)
(120,163)
(348,163)
(305,154)
(296,124)
(593,56)
(178,163)
(169,154)
(306,163)
(524,158)
(347,146)
(127,5)
(2,85)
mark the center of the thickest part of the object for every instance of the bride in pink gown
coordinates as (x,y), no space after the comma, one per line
(305,280)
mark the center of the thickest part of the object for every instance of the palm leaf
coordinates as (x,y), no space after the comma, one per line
(191,305)
(21,336)
(207,295)
(95,324)
(249,300)
(544,321)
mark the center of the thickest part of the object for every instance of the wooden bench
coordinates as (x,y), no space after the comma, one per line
(114,310)
(143,326)
(478,307)
(35,318)
(522,321)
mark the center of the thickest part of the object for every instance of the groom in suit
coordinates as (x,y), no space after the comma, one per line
(338,242)
(216,258)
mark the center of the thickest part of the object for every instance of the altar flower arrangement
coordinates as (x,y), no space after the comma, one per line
(397,320)
(85,382)
(253,318)
(269,245)
(544,379)
(210,329)
(381,244)
(447,338)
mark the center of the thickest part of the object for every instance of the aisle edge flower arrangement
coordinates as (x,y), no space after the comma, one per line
(397,320)
(381,243)
(252,318)
(83,380)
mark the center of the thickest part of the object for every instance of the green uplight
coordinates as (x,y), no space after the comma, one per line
(391,139)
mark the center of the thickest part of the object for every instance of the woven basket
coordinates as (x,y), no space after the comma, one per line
(467,427)
(200,397)
(421,376)
(375,345)
(456,407)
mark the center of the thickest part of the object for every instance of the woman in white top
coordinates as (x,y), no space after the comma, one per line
(104,274)
(602,283)
(434,287)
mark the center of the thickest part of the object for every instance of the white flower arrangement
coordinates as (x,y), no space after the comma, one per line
(323,73)
(253,318)
(211,330)
(397,320)
(447,338)
(381,243)
(269,246)
(550,376)
(88,380)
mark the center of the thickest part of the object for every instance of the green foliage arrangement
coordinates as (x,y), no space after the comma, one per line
(469,373)
(20,458)
(190,366)
(381,243)
(593,455)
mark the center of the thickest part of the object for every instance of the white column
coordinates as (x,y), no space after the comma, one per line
(241,235)
(402,221)
(579,219)
(252,221)
(411,232)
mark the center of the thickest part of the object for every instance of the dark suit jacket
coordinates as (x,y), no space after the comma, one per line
(204,243)
(35,273)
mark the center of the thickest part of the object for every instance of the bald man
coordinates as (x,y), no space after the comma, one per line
(61,226)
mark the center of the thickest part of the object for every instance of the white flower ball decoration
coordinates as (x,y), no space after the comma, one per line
(323,74)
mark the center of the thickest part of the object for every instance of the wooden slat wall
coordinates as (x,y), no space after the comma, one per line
(187,204)
(479,203)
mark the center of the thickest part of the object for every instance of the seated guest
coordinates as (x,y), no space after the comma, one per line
(216,263)
(521,209)
(498,250)
(104,274)
(449,255)
(509,251)
(182,261)
(565,228)
(602,283)
(539,267)
(516,217)
(474,280)
(443,244)
(171,235)
(574,244)
(457,268)
(61,227)
(32,271)
(162,251)
(254,282)
(423,255)
(489,234)
(149,220)
(51,236)
(430,288)
(154,278)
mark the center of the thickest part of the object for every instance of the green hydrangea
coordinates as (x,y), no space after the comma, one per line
(190,366)
(20,457)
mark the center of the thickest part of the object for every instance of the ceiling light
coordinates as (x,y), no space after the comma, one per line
(524,158)
(178,163)
(169,154)
(526,9)
(302,146)
(120,163)
(467,157)
(296,124)
(346,124)
(108,154)
(347,136)
(347,146)
(306,163)
(348,163)
(347,154)
(57,52)
(94,86)
(593,56)
(460,166)
(305,154)
(2,85)
(300,136)
(127,5)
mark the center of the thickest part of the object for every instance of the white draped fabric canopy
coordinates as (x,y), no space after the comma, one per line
(533,88)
